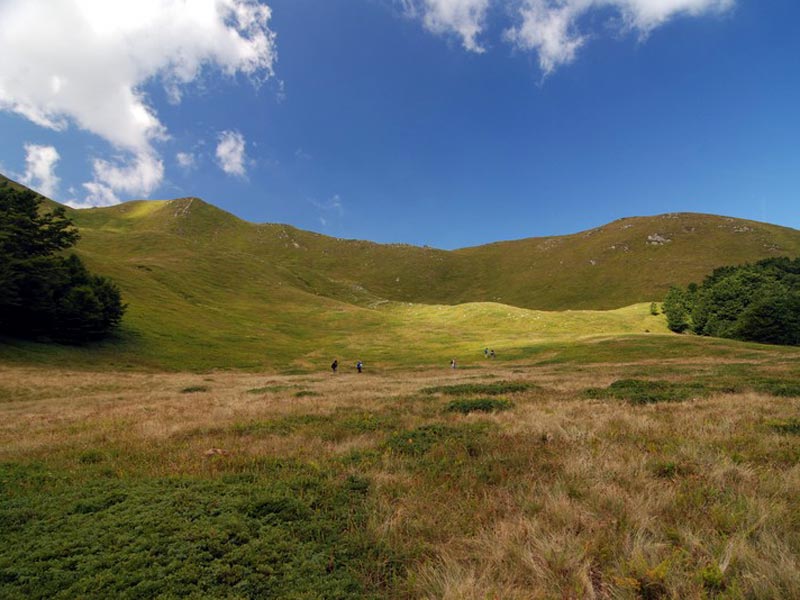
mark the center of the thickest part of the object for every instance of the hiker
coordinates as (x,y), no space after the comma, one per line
(334,366)
(453,364)
(491,353)
(359,366)
(486,352)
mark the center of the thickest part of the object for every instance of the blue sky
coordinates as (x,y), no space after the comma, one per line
(442,122)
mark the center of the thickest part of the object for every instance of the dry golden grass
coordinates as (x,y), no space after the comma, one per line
(561,497)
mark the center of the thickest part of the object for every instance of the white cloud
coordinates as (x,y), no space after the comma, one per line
(550,27)
(186,160)
(465,18)
(231,153)
(99,54)
(140,175)
(97,195)
(40,162)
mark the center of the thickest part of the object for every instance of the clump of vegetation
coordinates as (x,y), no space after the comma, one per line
(284,531)
(419,441)
(754,302)
(779,388)
(193,389)
(489,389)
(467,406)
(306,393)
(642,391)
(713,578)
(90,457)
(43,294)
(670,469)
(790,426)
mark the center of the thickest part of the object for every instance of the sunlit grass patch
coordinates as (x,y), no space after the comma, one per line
(466,406)
(489,389)
(641,391)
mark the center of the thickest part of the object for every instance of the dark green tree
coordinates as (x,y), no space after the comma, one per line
(44,294)
(676,310)
(756,302)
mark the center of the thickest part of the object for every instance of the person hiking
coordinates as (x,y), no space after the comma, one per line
(359,366)
(491,354)
(453,364)
(334,366)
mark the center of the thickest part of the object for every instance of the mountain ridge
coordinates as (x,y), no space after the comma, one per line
(206,289)
(629,260)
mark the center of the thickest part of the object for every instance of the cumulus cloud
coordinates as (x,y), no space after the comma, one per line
(550,28)
(97,194)
(231,155)
(40,162)
(98,55)
(465,18)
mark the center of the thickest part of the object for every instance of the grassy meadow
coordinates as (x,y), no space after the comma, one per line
(632,466)
(295,336)
(207,451)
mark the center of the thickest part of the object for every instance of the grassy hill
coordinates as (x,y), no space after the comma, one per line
(207,289)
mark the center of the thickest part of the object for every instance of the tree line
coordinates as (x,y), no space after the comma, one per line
(46,294)
(757,302)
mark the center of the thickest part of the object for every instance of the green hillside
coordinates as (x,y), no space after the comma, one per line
(206,289)
(628,261)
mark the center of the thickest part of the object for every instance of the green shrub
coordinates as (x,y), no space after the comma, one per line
(193,389)
(281,530)
(467,406)
(640,391)
(780,388)
(90,457)
(489,389)
(713,578)
(790,426)
(419,441)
